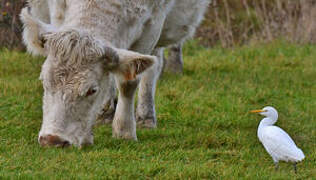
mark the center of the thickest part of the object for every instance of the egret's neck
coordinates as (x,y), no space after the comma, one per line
(264,123)
(268,121)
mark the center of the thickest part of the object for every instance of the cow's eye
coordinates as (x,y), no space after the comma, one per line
(91,91)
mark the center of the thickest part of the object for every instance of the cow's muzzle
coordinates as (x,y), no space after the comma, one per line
(53,141)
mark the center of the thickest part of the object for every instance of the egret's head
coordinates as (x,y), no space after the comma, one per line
(268,111)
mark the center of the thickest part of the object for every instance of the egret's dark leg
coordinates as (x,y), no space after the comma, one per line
(295,169)
(276,164)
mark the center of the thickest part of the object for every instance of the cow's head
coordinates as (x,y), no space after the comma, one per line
(77,78)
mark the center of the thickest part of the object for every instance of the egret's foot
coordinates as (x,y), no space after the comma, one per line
(149,122)
(295,169)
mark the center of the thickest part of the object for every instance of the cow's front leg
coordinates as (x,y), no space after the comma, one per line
(124,125)
(127,72)
(146,114)
(109,105)
(107,113)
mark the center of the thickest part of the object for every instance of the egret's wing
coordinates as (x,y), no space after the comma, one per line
(279,144)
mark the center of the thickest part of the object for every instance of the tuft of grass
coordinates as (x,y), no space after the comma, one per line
(204,130)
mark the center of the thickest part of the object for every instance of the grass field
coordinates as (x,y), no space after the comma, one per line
(205,130)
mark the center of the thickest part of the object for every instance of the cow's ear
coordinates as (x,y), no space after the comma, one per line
(110,58)
(128,64)
(34,32)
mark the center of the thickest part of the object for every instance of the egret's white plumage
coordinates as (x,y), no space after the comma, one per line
(275,140)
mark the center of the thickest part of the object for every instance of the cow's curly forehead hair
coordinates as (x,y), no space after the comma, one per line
(73,47)
(73,56)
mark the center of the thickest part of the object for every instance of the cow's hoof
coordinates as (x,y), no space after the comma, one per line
(174,68)
(126,136)
(149,123)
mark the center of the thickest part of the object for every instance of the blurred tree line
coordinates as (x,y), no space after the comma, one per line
(228,22)
(10,25)
(234,22)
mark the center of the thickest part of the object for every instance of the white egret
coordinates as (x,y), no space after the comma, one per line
(275,140)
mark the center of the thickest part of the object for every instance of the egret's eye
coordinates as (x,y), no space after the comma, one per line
(91,91)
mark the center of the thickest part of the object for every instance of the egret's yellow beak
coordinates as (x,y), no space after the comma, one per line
(258,111)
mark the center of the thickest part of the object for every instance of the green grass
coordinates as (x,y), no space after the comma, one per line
(205,129)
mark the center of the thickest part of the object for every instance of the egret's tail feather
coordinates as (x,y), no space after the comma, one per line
(300,155)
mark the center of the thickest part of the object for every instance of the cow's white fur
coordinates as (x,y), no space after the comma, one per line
(84,41)
(180,24)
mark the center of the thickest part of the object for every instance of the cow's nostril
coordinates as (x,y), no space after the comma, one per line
(51,140)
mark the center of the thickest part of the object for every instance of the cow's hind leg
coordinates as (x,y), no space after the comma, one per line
(174,62)
(180,25)
(146,114)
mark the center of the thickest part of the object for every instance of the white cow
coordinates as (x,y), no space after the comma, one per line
(93,45)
